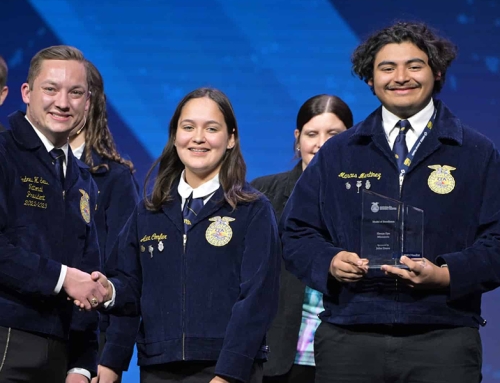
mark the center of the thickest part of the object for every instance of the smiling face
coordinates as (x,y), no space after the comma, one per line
(315,133)
(58,99)
(402,80)
(201,140)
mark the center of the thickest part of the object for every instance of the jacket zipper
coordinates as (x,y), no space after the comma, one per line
(401,179)
(184,240)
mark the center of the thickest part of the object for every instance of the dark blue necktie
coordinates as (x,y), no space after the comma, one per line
(400,149)
(58,160)
(191,210)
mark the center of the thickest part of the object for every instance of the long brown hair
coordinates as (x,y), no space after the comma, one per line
(233,169)
(97,134)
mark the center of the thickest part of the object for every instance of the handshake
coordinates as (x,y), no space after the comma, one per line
(88,291)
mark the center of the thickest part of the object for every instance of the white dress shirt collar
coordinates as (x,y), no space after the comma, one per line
(205,190)
(418,122)
(49,146)
(78,152)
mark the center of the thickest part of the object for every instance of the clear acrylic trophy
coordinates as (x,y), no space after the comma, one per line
(389,230)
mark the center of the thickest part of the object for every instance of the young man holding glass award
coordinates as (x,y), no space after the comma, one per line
(396,222)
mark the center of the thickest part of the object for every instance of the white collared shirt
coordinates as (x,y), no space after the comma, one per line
(49,146)
(418,123)
(207,189)
(78,152)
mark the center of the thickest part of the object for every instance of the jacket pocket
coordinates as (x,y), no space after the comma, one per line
(149,349)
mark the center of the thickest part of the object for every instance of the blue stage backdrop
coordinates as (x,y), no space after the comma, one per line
(267,56)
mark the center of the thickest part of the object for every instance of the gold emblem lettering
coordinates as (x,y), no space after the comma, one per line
(363,175)
(153,237)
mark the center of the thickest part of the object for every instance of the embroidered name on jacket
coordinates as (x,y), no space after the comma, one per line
(35,194)
(362,181)
(378,176)
(154,237)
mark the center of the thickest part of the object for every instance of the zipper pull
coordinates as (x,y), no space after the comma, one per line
(184,240)
(64,194)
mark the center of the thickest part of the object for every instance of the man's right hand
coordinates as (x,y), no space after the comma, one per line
(102,281)
(106,375)
(82,288)
(348,267)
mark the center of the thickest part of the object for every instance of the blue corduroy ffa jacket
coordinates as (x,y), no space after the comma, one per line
(118,196)
(462,227)
(42,226)
(208,296)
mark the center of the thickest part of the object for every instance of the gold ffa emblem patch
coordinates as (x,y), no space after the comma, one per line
(440,180)
(85,206)
(219,233)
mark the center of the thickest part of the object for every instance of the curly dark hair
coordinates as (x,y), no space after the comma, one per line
(441,52)
(97,134)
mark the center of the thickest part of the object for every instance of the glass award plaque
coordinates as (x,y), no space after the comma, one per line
(389,230)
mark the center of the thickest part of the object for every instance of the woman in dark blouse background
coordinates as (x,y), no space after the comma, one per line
(291,337)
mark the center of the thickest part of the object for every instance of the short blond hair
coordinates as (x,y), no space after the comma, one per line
(57,52)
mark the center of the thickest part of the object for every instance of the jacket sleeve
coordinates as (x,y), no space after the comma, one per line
(308,246)
(121,332)
(257,303)
(120,341)
(476,269)
(124,270)
(22,271)
(83,338)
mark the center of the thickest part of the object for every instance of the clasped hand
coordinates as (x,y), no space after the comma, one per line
(87,291)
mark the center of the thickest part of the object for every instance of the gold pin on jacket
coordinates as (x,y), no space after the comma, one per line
(440,180)
(85,206)
(219,233)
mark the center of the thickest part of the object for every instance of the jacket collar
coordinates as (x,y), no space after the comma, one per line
(25,135)
(73,169)
(98,160)
(446,126)
(22,131)
(447,129)
(173,208)
(293,177)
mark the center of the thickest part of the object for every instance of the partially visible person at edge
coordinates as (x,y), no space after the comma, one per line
(118,195)
(47,231)
(291,337)
(199,258)
(4,89)
(418,323)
